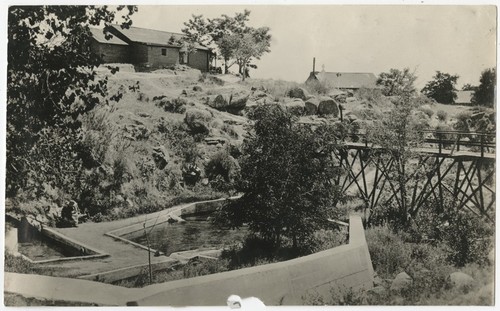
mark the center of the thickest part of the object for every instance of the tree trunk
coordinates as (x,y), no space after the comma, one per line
(226,68)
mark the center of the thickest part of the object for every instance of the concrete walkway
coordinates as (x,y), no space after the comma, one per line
(122,254)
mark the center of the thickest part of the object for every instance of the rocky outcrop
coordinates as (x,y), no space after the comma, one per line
(461,281)
(198,121)
(295,107)
(297,92)
(233,103)
(311,106)
(160,156)
(328,106)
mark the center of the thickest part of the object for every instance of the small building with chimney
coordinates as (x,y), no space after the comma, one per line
(343,80)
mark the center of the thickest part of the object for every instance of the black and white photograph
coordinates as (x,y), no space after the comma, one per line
(249,155)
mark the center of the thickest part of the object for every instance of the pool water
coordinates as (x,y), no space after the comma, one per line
(189,235)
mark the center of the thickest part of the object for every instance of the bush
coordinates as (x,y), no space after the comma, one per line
(427,110)
(389,253)
(177,105)
(442,115)
(198,121)
(222,170)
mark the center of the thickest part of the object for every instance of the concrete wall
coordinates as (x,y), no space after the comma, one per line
(282,283)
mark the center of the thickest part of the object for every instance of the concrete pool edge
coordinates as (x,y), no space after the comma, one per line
(63,240)
(159,219)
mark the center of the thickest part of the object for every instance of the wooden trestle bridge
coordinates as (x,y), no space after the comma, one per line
(447,163)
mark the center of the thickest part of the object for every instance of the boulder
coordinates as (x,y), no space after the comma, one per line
(351,117)
(198,120)
(328,106)
(311,106)
(237,103)
(401,282)
(259,94)
(295,107)
(297,92)
(219,102)
(197,88)
(461,281)
(160,156)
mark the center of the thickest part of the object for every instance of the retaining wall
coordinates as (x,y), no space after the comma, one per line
(282,283)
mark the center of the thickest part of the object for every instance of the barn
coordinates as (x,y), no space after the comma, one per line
(148,49)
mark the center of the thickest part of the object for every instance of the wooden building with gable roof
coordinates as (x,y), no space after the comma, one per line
(148,49)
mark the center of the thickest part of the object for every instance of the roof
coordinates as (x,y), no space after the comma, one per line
(464,97)
(151,36)
(348,80)
(99,36)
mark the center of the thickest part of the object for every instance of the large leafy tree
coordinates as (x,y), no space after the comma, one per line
(485,93)
(442,88)
(50,85)
(286,177)
(397,82)
(230,37)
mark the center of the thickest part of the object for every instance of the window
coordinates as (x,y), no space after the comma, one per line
(164,52)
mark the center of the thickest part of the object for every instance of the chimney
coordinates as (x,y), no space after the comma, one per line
(314,64)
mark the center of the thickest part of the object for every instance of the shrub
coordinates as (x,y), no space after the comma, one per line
(198,121)
(229,129)
(442,115)
(222,170)
(204,266)
(427,110)
(389,253)
(176,105)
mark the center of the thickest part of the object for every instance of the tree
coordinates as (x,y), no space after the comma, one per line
(244,47)
(485,93)
(50,85)
(397,82)
(397,133)
(230,37)
(442,88)
(286,177)
(469,87)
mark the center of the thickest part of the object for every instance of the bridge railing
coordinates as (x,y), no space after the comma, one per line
(454,140)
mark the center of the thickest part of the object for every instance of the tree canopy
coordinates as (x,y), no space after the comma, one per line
(442,88)
(485,93)
(231,38)
(50,84)
(286,178)
(397,82)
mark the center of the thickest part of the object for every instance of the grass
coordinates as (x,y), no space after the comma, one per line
(429,268)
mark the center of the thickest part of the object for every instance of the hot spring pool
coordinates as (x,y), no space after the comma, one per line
(189,235)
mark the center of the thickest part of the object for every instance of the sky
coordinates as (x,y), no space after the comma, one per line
(354,38)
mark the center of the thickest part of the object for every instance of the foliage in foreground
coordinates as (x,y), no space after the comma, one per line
(286,177)
(428,265)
